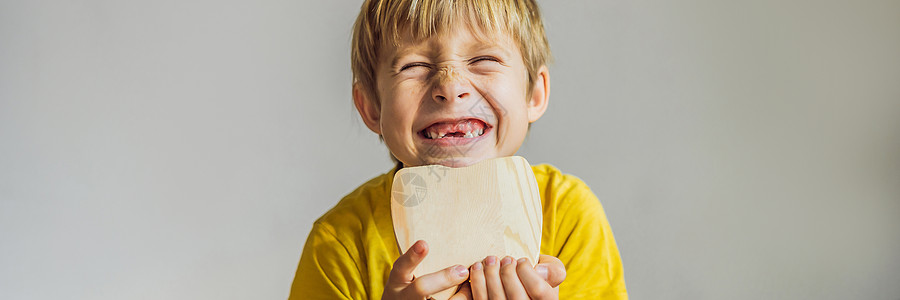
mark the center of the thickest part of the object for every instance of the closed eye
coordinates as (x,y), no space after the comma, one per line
(483,59)
(413,65)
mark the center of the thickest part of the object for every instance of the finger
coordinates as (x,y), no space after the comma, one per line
(464,293)
(433,283)
(476,282)
(511,283)
(551,269)
(492,278)
(402,271)
(535,286)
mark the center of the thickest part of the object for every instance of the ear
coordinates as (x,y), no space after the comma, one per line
(540,95)
(367,107)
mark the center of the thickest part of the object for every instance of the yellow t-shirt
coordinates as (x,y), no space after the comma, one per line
(350,250)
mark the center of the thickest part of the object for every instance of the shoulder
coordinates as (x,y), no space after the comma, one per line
(557,187)
(350,246)
(569,206)
(577,232)
(551,176)
(362,206)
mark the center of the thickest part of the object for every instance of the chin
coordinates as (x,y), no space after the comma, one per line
(455,162)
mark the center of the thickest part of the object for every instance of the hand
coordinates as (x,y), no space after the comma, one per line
(513,280)
(402,285)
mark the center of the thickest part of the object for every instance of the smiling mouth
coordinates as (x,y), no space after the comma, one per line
(461,129)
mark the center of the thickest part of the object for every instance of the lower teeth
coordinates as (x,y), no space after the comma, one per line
(467,136)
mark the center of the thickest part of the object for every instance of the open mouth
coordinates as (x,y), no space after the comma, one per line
(464,129)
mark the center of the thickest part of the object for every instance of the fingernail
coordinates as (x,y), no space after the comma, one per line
(522,260)
(477,266)
(542,271)
(419,248)
(490,260)
(505,261)
(460,271)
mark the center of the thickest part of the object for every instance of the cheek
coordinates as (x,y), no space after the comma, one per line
(405,89)
(398,111)
(395,117)
(396,129)
(516,121)
(507,96)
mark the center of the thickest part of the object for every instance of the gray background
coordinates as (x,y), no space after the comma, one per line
(182,149)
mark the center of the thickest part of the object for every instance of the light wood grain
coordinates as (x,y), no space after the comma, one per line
(468,213)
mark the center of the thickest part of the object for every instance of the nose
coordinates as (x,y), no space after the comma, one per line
(449,85)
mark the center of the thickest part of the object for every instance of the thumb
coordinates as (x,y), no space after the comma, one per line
(551,269)
(402,271)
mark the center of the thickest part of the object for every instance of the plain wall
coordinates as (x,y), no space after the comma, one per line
(182,149)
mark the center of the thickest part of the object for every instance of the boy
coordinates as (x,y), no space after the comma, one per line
(454,83)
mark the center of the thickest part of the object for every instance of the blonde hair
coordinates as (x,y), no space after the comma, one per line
(383,23)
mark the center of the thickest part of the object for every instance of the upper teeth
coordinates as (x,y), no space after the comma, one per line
(470,134)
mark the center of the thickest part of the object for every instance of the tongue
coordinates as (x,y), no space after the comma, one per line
(461,127)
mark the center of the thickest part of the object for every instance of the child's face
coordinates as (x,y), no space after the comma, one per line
(453,99)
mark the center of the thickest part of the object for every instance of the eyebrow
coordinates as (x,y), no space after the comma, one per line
(475,47)
(398,55)
(490,46)
(486,42)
